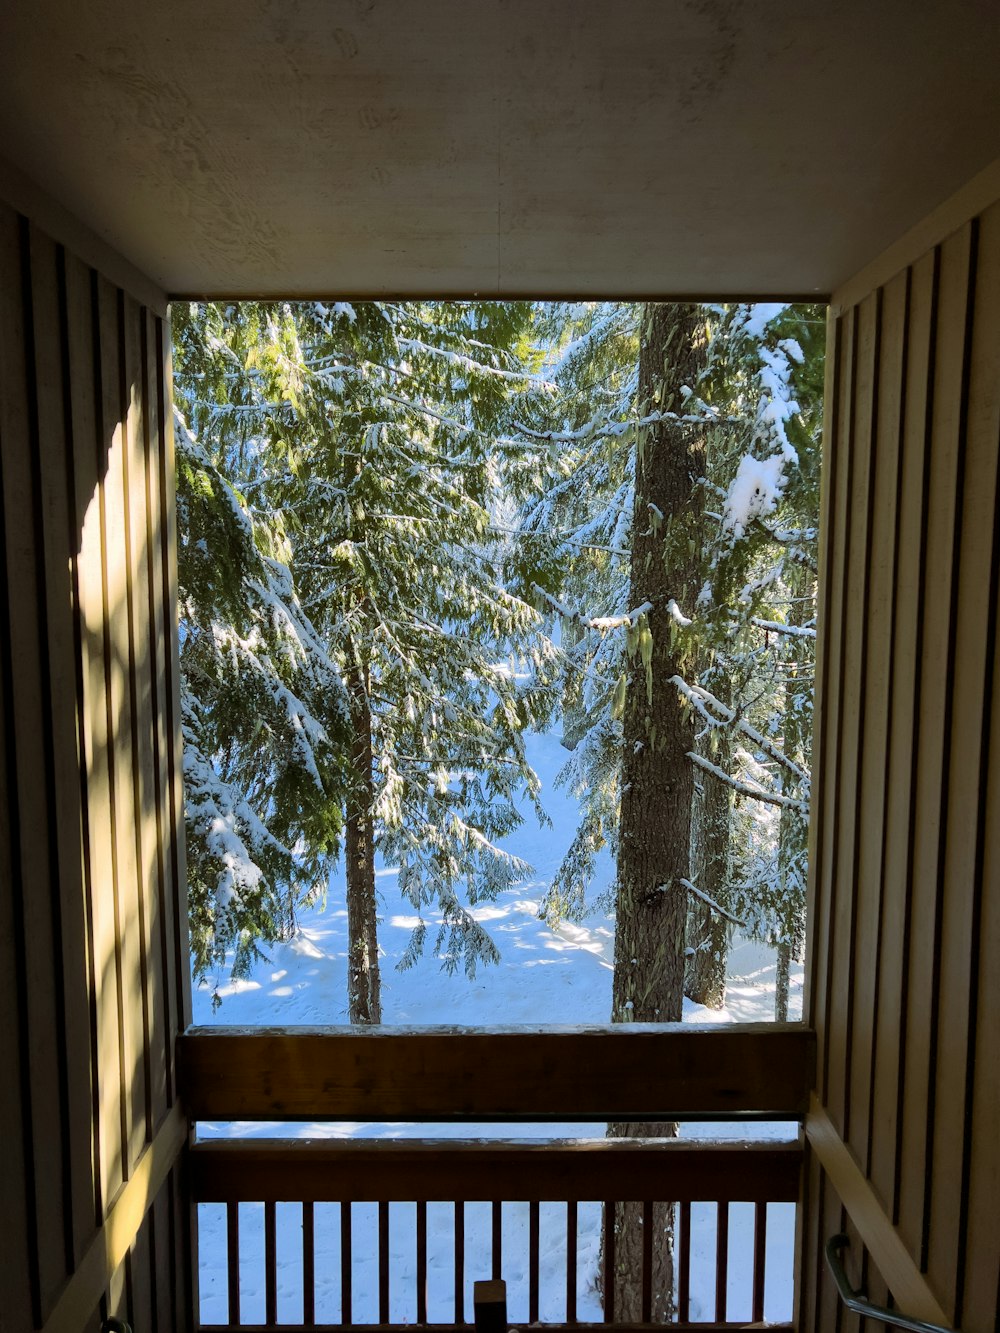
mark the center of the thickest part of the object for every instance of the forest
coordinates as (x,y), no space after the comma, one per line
(413,534)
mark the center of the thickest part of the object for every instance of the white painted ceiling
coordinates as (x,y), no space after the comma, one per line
(507,147)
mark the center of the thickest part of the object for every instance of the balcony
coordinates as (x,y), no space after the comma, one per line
(387,1232)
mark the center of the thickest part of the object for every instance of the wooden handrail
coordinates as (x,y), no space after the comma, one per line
(620,1072)
(387,1170)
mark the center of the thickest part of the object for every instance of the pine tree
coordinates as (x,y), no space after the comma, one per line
(375,431)
(264,717)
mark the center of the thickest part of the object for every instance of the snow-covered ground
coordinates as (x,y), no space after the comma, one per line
(545,976)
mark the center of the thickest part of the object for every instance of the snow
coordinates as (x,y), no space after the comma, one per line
(560,976)
(754,491)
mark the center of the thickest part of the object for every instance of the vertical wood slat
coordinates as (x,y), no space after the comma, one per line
(828,789)
(836,1068)
(955,890)
(383,1262)
(721,1260)
(533,1245)
(346,1264)
(459,1262)
(935,652)
(17,1273)
(872,794)
(168,902)
(57,512)
(168,527)
(308,1263)
(904,711)
(571,1260)
(684,1264)
(422,1262)
(968,774)
(496,1240)
(233,1260)
(29,781)
(759,1260)
(270,1265)
(980,1287)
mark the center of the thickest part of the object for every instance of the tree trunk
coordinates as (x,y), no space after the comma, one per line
(781,983)
(793,830)
(363,981)
(657,776)
(708,932)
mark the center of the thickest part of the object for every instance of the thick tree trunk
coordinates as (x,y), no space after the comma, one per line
(363,981)
(708,932)
(657,776)
(781,983)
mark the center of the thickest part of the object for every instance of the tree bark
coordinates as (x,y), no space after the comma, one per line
(793,830)
(657,776)
(708,932)
(781,983)
(363,980)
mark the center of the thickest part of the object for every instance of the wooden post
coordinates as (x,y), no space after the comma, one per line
(490,1303)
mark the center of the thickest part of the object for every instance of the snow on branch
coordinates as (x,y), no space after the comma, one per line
(710,902)
(796,631)
(594,622)
(747,788)
(702,700)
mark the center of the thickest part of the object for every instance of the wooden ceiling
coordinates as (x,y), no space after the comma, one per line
(505,147)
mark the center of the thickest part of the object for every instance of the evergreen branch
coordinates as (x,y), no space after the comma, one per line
(747,788)
(710,902)
(796,631)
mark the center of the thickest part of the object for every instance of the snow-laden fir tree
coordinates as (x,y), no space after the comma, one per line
(264,716)
(375,434)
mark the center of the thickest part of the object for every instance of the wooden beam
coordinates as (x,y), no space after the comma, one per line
(107,1251)
(627,1071)
(424,1170)
(911,1293)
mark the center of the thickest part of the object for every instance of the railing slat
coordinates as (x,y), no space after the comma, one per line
(759,1260)
(270,1265)
(459,1262)
(684,1261)
(308,1264)
(421,1262)
(497,1240)
(346,1310)
(721,1260)
(571,1260)
(383,1262)
(533,1243)
(233,1259)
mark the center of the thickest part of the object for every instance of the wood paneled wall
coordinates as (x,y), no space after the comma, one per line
(93,955)
(905,899)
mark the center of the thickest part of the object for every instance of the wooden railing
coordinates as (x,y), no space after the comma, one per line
(335,1207)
